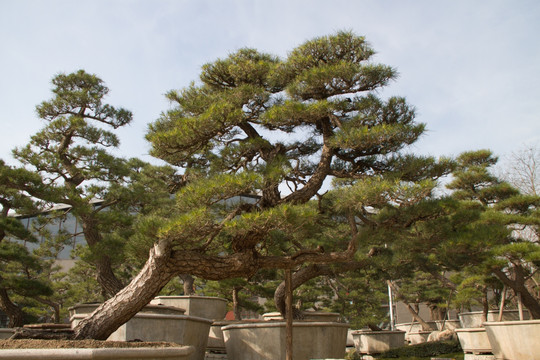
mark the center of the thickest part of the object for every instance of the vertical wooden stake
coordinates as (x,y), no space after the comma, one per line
(288,315)
(520,306)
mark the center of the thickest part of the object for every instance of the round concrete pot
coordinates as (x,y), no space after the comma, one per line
(474,341)
(158,323)
(473,319)
(375,342)
(308,315)
(266,340)
(514,340)
(207,307)
(176,353)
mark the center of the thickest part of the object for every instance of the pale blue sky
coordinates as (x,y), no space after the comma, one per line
(471,68)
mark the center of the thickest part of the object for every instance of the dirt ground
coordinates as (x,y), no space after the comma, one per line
(57,344)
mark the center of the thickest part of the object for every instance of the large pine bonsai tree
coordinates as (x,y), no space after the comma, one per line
(281,130)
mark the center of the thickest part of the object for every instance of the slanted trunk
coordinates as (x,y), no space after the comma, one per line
(164,263)
(106,278)
(14,313)
(518,286)
(298,278)
(412,311)
(116,311)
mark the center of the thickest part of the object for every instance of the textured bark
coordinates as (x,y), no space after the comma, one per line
(298,278)
(14,313)
(106,278)
(236,303)
(188,284)
(110,315)
(321,173)
(164,263)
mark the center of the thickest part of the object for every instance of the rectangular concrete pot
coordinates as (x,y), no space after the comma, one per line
(448,324)
(207,307)
(307,315)
(5,333)
(266,340)
(375,342)
(171,353)
(216,342)
(415,327)
(153,326)
(474,341)
(473,319)
(514,340)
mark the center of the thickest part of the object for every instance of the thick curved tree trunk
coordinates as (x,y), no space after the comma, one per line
(116,311)
(188,284)
(14,313)
(106,278)
(164,263)
(298,278)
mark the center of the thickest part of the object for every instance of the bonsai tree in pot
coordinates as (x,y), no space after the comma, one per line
(279,129)
(510,250)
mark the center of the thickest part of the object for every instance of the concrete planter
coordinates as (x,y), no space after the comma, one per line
(171,353)
(207,307)
(415,327)
(417,337)
(151,325)
(308,315)
(216,342)
(89,308)
(5,333)
(514,340)
(474,341)
(375,342)
(447,324)
(473,319)
(266,340)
